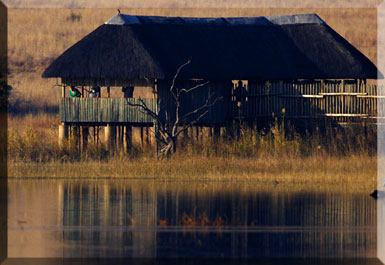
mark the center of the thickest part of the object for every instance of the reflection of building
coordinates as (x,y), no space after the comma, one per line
(123,219)
(110,209)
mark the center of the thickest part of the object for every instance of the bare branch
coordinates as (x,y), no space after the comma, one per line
(175,77)
(168,129)
(146,109)
(194,87)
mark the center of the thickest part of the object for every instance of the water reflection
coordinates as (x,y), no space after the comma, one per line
(172,219)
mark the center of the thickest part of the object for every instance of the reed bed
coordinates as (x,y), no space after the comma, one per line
(354,172)
(35,139)
(276,155)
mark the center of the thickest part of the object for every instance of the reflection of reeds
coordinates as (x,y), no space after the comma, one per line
(201,220)
(162,222)
(131,220)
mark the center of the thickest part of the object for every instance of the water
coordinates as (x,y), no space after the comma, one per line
(146,218)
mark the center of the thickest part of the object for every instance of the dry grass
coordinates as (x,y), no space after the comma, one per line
(354,172)
(31,134)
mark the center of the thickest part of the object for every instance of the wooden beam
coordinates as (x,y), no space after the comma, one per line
(343,94)
(301,96)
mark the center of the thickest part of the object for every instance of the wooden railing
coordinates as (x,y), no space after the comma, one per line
(343,102)
(104,110)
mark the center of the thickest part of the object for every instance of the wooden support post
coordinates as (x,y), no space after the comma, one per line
(217,133)
(83,92)
(108,92)
(141,136)
(117,137)
(156,124)
(85,133)
(76,136)
(121,139)
(185,134)
(63,134)
(97,137)
(94,135)
(81,138)
(114,138)
(127,138)
(63,91)
(229,130)
(148,141)
(156,131)
(107,136)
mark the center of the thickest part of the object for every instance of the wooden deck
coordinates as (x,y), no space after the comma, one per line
(341,102)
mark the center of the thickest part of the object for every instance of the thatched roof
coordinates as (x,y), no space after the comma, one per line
(277,47)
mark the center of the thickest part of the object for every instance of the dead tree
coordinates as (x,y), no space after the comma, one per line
(167,129)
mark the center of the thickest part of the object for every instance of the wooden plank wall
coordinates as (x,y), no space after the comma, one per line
(220,112)
(104,110)
(343,102)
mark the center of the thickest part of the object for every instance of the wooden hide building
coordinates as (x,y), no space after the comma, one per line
(261,67)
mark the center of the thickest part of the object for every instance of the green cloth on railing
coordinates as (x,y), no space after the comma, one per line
(75,93)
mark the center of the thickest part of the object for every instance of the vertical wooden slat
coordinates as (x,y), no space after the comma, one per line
(63,91)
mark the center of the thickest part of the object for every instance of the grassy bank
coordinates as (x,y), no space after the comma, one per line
(353,172)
